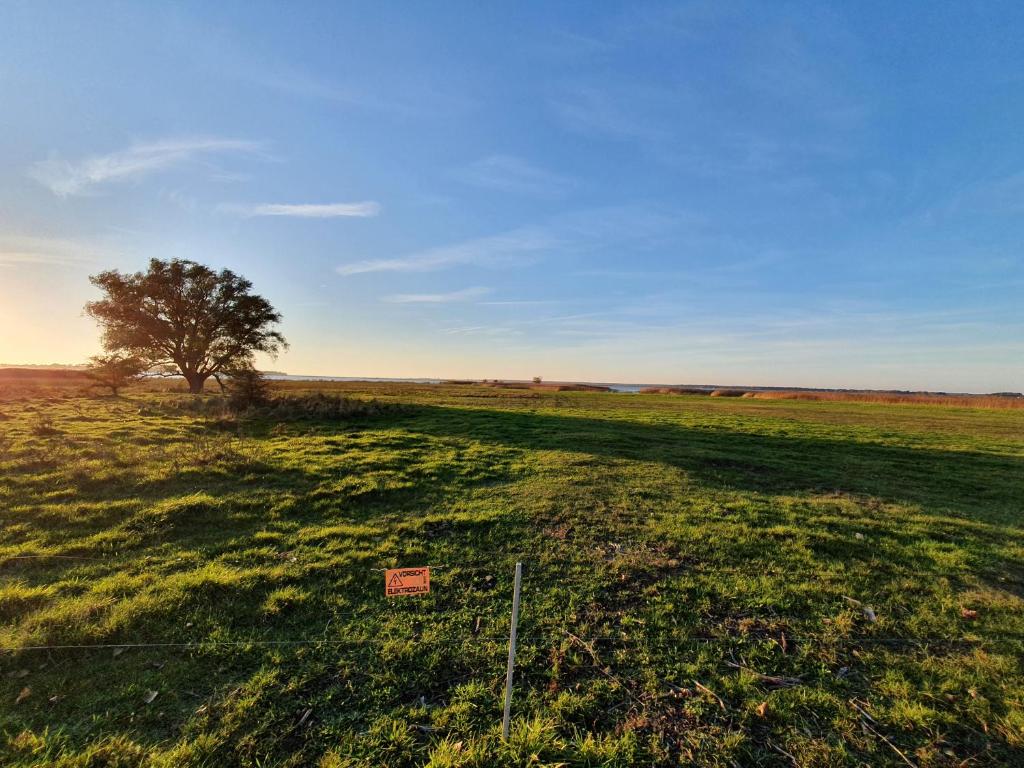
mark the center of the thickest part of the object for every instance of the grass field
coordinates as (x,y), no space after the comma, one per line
(706,581)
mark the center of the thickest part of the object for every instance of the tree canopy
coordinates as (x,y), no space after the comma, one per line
(185,317)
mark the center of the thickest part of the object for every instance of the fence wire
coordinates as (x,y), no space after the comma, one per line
(547,632)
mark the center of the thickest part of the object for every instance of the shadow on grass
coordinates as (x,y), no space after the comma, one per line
(971,500)
(984,487)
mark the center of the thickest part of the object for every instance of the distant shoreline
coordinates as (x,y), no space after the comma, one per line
(624,387)
(632,387)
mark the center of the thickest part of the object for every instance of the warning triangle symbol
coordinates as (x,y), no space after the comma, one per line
(395,581)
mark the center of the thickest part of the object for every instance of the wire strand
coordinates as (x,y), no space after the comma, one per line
(527,638)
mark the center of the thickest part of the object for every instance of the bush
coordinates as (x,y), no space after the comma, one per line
(42,426)
(318,405)
(242,402)
(728,393)
(115,371)
(247,389)
(674,391)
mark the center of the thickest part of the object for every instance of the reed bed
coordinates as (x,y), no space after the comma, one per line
(896,398)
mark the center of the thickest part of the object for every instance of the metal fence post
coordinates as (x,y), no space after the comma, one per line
(512,650)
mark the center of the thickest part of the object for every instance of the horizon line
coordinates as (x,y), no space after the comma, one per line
(476,380)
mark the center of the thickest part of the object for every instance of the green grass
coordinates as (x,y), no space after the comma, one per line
(697,579)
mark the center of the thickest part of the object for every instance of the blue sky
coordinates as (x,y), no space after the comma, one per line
(760,193)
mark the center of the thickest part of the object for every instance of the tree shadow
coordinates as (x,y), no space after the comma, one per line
(966,500)
(980,486)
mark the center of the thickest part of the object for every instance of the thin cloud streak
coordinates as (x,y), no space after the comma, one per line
(67,179)
(504,173)
(360,210)
(512,248)
(466,294)
(599,111)
(520,302)
(306,86)
(568,235)
(26,250)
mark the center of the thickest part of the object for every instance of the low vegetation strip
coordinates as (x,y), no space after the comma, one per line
(1005,400)
(552,386)
(1009,400)
(674,391)
(707,581)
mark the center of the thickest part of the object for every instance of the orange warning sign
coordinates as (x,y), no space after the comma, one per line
(406,581)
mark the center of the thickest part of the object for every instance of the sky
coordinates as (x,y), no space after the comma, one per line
(776,193)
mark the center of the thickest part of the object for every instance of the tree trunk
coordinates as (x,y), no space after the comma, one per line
(195,382)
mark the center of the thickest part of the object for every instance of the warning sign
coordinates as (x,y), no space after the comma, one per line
(406,581)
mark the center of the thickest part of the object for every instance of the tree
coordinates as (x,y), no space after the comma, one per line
(537,379)
(183,317)
(115,371)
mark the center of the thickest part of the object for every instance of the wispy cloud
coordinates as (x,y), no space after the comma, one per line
(1000,195)
(307,86)
(229,177)
(593,233)
(230,55)
(613,112)
(521,302)
(793,70)
(65,178)
(482,330)
(521,246)
(466,294)
(514,175)
(28,250)
(361,210)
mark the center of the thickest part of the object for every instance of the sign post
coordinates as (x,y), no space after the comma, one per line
(512,650)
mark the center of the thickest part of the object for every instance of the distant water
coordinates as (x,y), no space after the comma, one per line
(289,377)
(614,386)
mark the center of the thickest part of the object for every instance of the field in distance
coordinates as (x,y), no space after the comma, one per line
(707,581)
